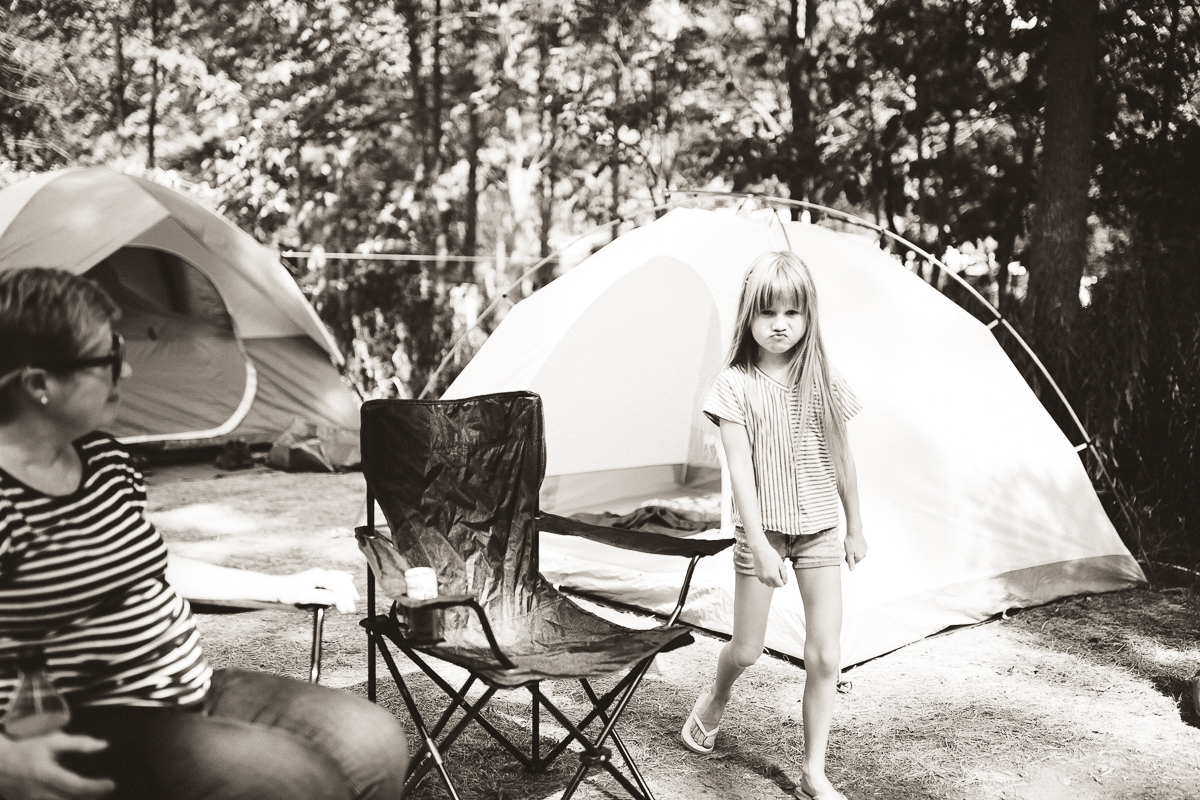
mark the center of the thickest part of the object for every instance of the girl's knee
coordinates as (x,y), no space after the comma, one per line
(743,656)
(822,661)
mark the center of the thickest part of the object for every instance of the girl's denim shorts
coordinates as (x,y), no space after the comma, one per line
(822,549)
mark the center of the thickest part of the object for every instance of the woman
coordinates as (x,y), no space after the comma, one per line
(84,575)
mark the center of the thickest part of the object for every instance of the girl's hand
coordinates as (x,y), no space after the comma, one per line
(330,587)
(856,548)
(768,566)
(29,769)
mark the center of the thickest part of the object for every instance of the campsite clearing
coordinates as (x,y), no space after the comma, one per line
(1085,698)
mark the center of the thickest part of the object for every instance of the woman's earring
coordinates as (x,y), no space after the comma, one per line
(44,400)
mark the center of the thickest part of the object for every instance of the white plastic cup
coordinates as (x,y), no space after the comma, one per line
(422,583)
(424,624)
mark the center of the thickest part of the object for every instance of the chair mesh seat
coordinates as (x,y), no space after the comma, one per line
(596,657)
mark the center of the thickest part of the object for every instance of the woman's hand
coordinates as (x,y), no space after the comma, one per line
(768,566)
(29,769)
(330,587)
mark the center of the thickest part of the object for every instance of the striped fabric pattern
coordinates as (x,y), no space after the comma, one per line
(793,473)
(84,576)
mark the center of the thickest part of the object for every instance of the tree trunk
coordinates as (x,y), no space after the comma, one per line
(614,156)
(118,85)
(470,239)
(471,233)
(152,116)
(549,170)
(800,63)
(1058,251)
(436,80)
(408,9)
(945,201)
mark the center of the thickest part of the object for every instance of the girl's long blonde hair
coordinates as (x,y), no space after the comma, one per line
(783,278)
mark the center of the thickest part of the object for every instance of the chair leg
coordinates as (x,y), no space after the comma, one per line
(470,711)
(370,634)
(429,746)
(604,702)
(314,663)
(616,737)
(595,752)
(535,718)
(430,755)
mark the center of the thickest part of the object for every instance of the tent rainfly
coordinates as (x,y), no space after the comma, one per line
(973,501)
(222,342)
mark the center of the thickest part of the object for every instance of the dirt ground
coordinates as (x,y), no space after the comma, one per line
(1084,698)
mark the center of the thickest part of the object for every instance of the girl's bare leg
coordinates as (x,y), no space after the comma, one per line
(821,591)
(751,602)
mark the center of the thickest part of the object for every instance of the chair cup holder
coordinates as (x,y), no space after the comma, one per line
(421,626)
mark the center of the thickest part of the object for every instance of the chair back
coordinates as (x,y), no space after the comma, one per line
(458,482)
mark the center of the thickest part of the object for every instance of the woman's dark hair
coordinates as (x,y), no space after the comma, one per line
(46,315)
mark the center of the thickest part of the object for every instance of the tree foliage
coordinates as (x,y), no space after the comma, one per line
(482,135)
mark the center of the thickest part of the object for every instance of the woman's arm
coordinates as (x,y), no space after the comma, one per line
(768,566)
(856,545)
(201,581)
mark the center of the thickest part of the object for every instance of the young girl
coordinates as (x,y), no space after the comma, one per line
(782,411)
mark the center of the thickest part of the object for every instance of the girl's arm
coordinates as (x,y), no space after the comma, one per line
(856,545)
(200,581)
(768,566)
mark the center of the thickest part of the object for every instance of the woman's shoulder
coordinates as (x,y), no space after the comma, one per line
(99,441)
(99,447)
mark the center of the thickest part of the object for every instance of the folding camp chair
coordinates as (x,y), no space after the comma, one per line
(458,482)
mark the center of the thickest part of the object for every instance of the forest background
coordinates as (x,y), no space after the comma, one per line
(1048,151)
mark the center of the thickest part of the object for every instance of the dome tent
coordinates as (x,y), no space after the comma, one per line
(973,501)
(222,342)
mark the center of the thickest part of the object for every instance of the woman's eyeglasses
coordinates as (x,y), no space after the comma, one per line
(115,359)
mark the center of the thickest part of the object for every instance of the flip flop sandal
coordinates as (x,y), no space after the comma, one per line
(708,738)
(803,795)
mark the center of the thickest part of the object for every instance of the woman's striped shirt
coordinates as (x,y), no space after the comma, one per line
(83,575)
(793,473)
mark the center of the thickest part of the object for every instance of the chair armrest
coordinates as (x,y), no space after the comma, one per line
(255,605)
(441,601)
(641,541)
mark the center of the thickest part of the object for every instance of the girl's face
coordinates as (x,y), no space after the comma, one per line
(778,327)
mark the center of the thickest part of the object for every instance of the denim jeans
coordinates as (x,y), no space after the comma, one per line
(258,736)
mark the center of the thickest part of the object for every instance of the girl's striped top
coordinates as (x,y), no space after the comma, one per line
(793,471)
(83,575)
